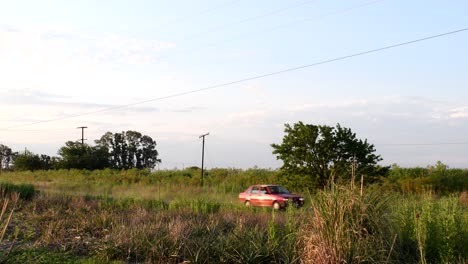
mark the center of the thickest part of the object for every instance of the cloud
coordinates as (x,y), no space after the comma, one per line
(188,109)
(47,43)
(336,105)
(31,97)
(28,106)
(9,29)
(28,96)
(247,118)
(458,113)
(395,107)
(112,48)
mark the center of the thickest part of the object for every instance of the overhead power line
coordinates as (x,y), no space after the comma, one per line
(257,33)
(252,18)
(248,78)
(423,144)
(199,13)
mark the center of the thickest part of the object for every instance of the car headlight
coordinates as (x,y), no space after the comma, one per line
(301,199)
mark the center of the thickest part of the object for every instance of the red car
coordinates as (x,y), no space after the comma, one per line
(276,196)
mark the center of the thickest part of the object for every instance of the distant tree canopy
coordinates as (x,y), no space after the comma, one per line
(6,157)
(75,155)
(313,154)
(30,161)
(125,150)
(129,150)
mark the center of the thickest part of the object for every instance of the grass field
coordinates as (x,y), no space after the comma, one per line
(139,217)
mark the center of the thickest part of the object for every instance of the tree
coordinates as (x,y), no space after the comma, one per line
(6,157)
(129,150)
(27,161)
(316,153)
(75,155)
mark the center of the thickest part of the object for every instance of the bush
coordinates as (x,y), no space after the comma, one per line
(26,191)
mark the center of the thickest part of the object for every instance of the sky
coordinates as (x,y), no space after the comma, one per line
(170,70)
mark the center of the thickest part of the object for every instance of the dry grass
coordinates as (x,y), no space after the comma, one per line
(464,198)
(6,215)
(91,218)
(138,232)
(347,228)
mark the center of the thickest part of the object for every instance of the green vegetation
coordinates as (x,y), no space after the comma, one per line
(25,191)
(316,155)
(438,179)
(349,228)
(430,228)
(125,150)
(111,216)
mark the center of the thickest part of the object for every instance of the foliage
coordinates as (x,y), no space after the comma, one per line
(438,178)
(124,150)
(82,156)
(82,227)
(322,152)
(25,191)
(348,228)
(129,150)
(6,214)
(6,157)
(41,255)
(138,216)
(430,229)
(30,161)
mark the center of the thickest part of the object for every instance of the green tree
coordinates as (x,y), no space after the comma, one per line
(315,154)
(27,161)
(130,149)
(75,155)
(6,157)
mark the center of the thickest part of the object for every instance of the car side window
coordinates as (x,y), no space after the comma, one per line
(273,189)
(254,190)
(263,190)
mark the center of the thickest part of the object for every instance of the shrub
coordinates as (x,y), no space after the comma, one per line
(25,191)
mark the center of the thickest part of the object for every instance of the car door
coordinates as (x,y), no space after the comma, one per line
(263,196)
(254,195)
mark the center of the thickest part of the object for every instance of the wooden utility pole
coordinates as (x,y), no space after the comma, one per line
(203,155)
(353,172)
(82,134)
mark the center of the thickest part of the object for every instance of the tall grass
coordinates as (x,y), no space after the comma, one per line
(431,229)
(138,233)
(141,183)
(8,203)
(165,217)
(348,228)
(25,191)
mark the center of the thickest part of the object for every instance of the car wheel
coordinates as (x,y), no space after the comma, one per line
(247,203)
(276,206)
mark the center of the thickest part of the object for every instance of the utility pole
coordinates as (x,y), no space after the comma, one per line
(203,155)
(82,134)
(353,171)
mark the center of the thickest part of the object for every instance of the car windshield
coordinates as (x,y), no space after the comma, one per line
(278,190)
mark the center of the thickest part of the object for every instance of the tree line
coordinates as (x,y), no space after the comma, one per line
(313,156)
(124,150)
